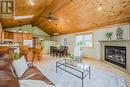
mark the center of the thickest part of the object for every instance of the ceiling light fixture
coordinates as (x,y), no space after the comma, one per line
(99,8)
(31,2)
(55,34)
(49,20)
(68,20)
(20,31)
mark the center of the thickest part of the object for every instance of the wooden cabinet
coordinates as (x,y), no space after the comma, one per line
(30,36)
(8,35)
(24,36)
(18,37)
(15,39)
(15,36)
(1,34)
(27,36)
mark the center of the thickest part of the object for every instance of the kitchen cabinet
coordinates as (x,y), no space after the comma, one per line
(20,37)
(1,33)
(8,35)
(27,36)
(30,36)
(17,37)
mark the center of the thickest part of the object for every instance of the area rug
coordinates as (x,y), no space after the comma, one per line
(98,78)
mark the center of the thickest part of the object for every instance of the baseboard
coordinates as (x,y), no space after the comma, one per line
(86,57)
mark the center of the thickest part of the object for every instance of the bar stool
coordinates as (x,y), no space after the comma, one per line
(24,50)
(38,52)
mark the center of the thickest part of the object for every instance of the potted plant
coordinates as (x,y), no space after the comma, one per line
(16,55)
(109,35)
(72,57)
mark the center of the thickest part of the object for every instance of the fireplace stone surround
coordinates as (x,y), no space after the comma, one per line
(121,43)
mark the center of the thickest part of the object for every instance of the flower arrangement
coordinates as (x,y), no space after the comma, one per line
(109,35)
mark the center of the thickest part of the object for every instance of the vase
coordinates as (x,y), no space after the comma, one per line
(108,38)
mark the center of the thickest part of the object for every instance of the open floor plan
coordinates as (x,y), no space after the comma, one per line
(64,43)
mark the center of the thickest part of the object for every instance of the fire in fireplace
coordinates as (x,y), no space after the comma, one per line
(116,55)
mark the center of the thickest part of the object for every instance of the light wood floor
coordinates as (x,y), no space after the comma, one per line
(46,60)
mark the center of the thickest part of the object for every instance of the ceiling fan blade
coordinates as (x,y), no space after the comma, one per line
(50,17)
(54,18)
(46,17)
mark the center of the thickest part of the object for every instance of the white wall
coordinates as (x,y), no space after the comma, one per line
(99,34)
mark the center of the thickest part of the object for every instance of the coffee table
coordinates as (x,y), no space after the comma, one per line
(74,67)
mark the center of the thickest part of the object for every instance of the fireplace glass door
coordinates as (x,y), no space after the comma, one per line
(116,55)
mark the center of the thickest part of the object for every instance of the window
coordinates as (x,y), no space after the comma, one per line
(84,40)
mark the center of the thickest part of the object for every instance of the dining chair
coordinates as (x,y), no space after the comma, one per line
(51,50)
(66,51)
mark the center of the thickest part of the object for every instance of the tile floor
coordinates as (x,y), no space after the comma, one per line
(46,60)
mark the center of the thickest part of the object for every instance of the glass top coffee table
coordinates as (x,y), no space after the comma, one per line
(75,68)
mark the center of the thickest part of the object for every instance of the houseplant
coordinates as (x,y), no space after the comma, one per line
(16,55)
(71,57)
(109,35)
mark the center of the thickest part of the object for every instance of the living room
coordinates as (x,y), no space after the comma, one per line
(65,43)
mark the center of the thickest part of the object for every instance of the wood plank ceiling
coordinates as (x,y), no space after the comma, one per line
(25,7)
(76,16)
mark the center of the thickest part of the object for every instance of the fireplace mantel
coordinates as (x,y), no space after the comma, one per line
(125,43)
(123,40)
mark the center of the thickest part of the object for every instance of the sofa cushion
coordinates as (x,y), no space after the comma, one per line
(20,66)
(7,79)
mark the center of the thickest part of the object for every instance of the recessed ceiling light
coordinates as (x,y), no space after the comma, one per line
(99,8)
(68,20)
(55,34)
(31,2)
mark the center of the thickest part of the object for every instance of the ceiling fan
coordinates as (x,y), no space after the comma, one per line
(50,17)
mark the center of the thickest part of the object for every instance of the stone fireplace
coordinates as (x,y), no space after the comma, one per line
(116,53)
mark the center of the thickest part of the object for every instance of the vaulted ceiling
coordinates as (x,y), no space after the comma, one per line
(72,15)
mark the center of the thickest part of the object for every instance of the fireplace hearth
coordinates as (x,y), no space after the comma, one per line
(116,55)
